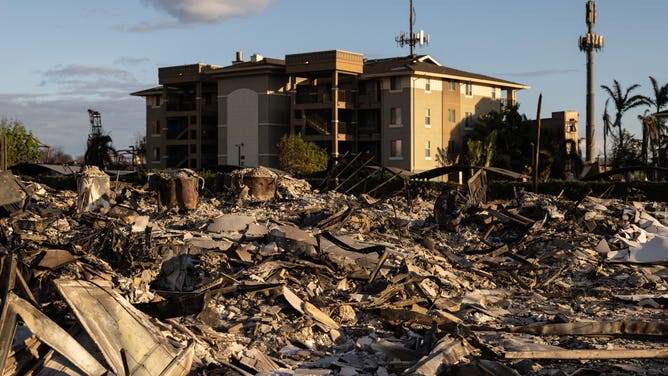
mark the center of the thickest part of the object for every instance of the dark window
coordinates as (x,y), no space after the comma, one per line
(394,83)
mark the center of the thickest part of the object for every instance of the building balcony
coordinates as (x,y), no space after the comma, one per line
(181,107)
(323,99)
(368,101)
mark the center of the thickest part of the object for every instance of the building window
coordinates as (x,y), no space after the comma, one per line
(193,148)
(468,121)
(427,85)
(395,149)
(572,126)
(155,100)
(394,83)
(395,117)
(193,119)
(427,117)
(469,89)
(156,154)
(451,115)
(452,85)
(427,149)
(156,127)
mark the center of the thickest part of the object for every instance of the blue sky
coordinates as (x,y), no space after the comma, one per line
(60,58)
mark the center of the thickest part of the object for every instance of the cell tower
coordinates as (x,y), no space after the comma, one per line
(412,39)
(590,43)
(95,123)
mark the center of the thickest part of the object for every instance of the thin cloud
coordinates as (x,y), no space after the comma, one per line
(129,60)
(189,12)
(74,70)
(145,27)
(63,122)
(541,73)
(97,81)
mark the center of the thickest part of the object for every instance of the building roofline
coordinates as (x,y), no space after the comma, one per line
(145,92)
(248,66)
(324,52)
(408,65)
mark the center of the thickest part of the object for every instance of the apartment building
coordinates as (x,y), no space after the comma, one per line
(181,118)
(401,110)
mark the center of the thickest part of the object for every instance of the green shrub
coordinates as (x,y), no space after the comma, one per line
(299,157)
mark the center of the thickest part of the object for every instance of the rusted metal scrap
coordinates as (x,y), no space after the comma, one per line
(178,189)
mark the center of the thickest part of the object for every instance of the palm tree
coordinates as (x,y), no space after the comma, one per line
(623,102)
(607,129)
(659,101)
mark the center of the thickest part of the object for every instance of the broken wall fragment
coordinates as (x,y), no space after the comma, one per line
(93,189)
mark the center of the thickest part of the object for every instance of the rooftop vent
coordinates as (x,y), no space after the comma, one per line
(239,58)
(256,58)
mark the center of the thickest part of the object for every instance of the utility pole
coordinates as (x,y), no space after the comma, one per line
(537,151)
(412,39)
(590,43)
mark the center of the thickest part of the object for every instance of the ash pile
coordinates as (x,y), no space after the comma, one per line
(272,277)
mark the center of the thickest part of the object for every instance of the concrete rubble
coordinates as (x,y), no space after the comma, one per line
(272,277)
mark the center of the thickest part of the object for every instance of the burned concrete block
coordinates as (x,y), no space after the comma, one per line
(260,181)
(11,195)
(230,223)
(293,239)
(93,189)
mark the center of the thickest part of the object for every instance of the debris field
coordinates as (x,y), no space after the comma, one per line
(272,277)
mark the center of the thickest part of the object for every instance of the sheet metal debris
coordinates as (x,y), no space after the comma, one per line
(271,277)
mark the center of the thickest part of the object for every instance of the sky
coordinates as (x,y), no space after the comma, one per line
(60,58)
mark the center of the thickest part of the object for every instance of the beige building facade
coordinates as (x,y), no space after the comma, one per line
(403,110)
(564,126)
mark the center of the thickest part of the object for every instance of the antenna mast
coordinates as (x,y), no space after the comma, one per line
(590,43)
(412,39)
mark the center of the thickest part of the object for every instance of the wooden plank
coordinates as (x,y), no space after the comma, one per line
(589,354)
(593,328)
(115,325)
(7,316)
(53,335)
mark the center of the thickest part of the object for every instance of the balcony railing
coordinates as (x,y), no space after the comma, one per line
(175,107)
(369,99)
(325,97)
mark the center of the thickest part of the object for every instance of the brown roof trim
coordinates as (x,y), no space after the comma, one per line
(265,63)
(145,92)
(407,65)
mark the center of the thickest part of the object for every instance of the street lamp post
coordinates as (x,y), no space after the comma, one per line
(132,153)
(239,146)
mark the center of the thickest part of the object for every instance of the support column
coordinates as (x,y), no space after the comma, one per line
(335,114)
(199,107)
(355,116)
(293,102)
(511,97)
(163,124)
